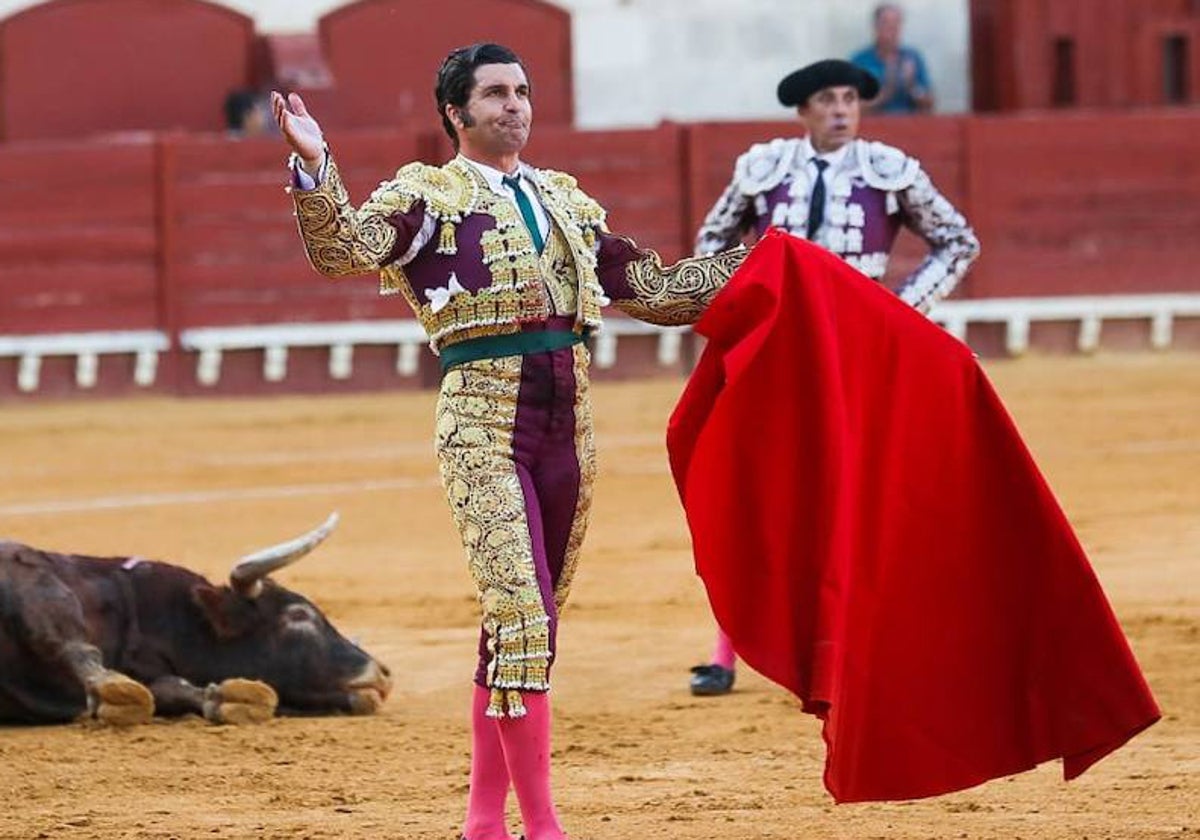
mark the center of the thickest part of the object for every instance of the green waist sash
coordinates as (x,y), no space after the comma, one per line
(514,344)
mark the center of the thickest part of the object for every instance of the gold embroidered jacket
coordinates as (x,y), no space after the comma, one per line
(479,272)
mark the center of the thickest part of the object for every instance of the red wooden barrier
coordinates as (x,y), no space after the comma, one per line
(239,260)
(238,256)
(78,240)
(74,68)
(184,231)
(1086,204)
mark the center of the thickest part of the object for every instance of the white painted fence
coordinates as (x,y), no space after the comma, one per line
(1017,314)
(86,348)
(208,344)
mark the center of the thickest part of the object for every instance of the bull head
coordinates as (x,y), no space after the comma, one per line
(268,633)
(247,575)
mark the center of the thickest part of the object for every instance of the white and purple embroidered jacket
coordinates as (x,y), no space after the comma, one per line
(871,190)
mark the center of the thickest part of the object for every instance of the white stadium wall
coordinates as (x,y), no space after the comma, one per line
(638,62)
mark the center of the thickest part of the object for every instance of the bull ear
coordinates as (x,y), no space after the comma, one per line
(224,610)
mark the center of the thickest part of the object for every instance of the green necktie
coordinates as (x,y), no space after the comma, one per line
(513,182)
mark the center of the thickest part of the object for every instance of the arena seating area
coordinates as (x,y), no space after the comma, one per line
(141,249)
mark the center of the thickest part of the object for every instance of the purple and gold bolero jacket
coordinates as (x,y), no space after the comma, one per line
(475,271)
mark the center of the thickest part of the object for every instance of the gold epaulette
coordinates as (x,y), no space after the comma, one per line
(563,189)
(449,192)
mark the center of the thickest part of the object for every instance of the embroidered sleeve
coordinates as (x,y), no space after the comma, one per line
(640,286)
(953,245)
(729,218)
(341,240)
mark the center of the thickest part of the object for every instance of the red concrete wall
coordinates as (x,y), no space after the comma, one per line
(384,55)
(73,68)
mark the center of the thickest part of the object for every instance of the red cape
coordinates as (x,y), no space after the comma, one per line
(875,537)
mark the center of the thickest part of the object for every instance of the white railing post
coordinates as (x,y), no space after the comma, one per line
(275,360)
(1161,330)
(145,367)
(29,372)
(1016,337)
(208,366)
(87,365)
(1089,334)
(408,358)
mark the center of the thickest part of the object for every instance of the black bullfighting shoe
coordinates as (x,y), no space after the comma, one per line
(711,680)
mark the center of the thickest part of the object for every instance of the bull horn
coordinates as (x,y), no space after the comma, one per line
(246,576)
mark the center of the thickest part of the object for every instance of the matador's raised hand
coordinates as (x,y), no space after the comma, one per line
(300,130)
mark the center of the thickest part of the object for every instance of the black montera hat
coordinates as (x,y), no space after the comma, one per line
(798,86)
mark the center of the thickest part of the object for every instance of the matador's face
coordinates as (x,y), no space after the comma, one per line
(831,117)
(498,112)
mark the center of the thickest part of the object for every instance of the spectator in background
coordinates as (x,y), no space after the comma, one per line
(903,81)
(246,114)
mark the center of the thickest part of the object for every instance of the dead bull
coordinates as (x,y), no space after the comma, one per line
(120,639)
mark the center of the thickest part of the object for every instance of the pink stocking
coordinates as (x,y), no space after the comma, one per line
(489,776)
(526,743)
(723,654)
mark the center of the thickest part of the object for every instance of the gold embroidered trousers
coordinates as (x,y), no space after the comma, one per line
(517,458)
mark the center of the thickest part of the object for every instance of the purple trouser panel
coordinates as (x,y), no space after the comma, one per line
(545,458)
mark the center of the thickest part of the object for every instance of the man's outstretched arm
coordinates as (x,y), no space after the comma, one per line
(340,239)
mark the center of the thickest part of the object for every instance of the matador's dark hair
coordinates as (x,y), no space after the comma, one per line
(456,78)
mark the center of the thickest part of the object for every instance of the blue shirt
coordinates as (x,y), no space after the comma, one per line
(900,102)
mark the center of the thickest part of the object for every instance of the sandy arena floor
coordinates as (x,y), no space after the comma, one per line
(202,482)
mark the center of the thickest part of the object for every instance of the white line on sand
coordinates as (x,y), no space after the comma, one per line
(284,491)
(207,496)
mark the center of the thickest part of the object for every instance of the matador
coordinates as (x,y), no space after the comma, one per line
(507,267)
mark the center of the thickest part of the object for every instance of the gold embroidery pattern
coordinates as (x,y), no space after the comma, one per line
(579,217)
(584,210)
(680,293)
(585,453)
(558,267)
(449,193)
(516,292)
(476,414)
(340,240)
